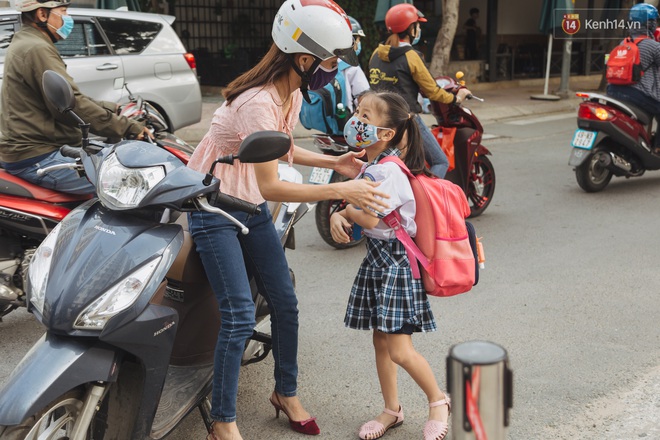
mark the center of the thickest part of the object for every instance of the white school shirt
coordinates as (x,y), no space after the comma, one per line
(394,182)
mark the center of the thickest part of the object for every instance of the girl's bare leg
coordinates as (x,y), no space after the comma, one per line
(402,353)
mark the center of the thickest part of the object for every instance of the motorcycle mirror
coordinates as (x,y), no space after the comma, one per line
(58,91)
(263,146)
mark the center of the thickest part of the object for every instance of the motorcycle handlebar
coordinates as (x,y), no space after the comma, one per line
(228,201)
(72,152)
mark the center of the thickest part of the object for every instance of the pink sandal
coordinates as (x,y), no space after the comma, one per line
(435,429)
(374,429)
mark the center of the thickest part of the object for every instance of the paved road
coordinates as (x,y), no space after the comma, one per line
(570,290)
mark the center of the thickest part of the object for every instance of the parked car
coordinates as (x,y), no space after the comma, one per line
(112,48)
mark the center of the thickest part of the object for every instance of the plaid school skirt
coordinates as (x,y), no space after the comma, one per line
(385,296)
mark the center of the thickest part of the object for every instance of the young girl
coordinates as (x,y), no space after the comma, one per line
(385,297)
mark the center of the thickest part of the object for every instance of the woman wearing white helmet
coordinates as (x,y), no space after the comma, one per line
(309,37)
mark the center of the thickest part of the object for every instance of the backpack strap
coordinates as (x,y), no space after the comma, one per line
(393,220)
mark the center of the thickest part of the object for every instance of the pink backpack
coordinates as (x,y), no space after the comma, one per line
(443,246)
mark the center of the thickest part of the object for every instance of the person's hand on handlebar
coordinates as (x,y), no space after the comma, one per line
(146,134)
(462,95)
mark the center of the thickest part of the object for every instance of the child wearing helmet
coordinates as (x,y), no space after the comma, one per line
(645,93)
(396,67)
(32,130)
(356,81)
(308,38)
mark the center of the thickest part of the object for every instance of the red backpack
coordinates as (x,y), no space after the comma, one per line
(445,245)
(624,66)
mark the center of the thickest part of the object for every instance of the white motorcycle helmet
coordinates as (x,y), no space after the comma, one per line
(317,27)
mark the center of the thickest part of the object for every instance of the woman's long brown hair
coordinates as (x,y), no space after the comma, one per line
(274,65)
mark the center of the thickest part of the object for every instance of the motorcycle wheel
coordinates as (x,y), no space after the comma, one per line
(55,422)
(481,185)
(324,209)
(591,175)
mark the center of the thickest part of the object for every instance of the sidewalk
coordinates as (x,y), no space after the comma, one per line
(502,100)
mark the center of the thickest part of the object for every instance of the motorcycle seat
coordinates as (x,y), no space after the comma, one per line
(15,186)
(643,116)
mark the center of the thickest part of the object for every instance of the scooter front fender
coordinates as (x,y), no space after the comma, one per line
(53,366)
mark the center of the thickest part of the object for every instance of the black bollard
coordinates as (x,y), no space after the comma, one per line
(480,384)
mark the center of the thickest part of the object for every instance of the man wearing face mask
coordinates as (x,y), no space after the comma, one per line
(33,130)
(396,67)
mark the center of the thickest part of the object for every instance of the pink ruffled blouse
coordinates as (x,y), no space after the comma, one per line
(256,109)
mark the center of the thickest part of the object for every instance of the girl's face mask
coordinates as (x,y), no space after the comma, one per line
(321,77)
(360,134)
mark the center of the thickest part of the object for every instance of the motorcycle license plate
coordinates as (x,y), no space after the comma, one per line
(320,176)
(584,139)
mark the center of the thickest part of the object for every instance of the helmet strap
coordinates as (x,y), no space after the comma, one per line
(304,76)
(43,25)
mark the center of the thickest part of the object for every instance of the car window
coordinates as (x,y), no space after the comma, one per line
(85,40)
(6,34)
(129,36)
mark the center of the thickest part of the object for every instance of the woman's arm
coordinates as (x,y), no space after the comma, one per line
(359,192)
(347,164)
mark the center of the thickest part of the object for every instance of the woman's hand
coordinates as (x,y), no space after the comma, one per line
(338,227)
(363,194)
(348,164)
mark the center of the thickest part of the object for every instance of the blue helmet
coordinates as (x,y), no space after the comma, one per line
(643,12)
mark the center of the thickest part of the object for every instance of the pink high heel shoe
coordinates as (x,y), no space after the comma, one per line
(435,429)
(373,429)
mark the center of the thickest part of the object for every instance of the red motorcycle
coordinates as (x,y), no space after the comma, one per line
(473,171)
(29,212)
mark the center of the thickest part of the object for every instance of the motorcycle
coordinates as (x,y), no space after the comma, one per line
(29,212)
(129,314)
(473,171)
(613,138)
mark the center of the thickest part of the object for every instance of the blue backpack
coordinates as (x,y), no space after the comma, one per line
(320,113)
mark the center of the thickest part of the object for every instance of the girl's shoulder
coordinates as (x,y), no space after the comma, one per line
(382,171)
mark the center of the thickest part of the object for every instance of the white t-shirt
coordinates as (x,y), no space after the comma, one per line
(356,84)
(394,182)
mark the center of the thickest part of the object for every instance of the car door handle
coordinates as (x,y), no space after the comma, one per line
(107,66)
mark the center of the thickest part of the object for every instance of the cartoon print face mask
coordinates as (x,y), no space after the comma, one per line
(360,134)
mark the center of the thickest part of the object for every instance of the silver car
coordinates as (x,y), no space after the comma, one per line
(109,50)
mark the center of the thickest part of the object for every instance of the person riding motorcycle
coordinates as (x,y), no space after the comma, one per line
(643,20)
(396,66)
(356,80)
(32,129)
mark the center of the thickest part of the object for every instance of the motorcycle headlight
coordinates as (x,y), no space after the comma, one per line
(39,269)
(117,298)
(124,188)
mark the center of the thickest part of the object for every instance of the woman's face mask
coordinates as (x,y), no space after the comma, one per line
(321,77)
(67,25)
(360,134)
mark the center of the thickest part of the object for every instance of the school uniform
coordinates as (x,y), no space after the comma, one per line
(385,296)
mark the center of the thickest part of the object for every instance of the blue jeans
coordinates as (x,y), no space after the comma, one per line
(435,157)
(67,181)
(225,252)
